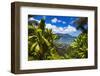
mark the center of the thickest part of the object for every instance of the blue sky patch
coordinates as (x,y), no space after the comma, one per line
(59,24)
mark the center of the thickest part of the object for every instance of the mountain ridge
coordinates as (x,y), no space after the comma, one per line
(65,38)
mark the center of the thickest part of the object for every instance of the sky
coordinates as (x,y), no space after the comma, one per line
(59,24)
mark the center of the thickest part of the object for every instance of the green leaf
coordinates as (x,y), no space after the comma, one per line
(33,46)
(46,41)
(37,48)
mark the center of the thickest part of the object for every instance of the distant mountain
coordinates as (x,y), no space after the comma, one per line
(67,35)
(65,38)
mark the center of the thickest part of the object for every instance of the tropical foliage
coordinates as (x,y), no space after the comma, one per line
(79,47)
(41,44)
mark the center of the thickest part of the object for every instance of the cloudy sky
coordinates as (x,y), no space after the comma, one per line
(59,24)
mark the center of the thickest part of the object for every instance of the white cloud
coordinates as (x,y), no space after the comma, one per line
(32,19)
(59,21)
(54,20)
(64,22)
(63,30)
(69,29)
(53,27)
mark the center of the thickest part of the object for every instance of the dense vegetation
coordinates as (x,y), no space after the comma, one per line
(41,44)
(79,47)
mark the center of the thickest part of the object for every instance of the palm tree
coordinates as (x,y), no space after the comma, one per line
(40,41)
